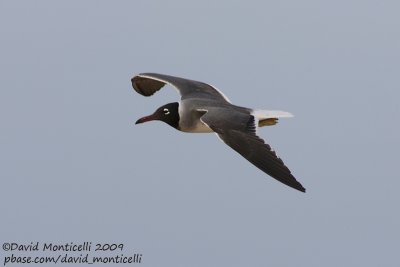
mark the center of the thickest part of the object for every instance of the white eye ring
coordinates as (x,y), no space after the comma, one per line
(166,111)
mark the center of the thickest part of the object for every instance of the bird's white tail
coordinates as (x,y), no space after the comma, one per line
(269,117)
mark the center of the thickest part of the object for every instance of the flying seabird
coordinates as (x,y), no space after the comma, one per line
(204,109)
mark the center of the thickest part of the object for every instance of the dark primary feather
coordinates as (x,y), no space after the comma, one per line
(145,86)
(255,150)
(148,83)
(241,136)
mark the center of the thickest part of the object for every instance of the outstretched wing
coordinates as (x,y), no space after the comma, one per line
(148,83)
(240,134)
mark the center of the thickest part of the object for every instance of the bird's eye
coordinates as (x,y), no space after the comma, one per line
(166,111)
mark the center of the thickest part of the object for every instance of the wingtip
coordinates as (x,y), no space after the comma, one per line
(296,185)
(301,188)
(146,85)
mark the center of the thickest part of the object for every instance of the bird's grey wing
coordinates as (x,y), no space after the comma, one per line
(239,132)
(148,83)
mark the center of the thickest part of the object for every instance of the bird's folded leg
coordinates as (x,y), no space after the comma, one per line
(267,122)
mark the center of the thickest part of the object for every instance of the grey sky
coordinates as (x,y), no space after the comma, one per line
(74,167)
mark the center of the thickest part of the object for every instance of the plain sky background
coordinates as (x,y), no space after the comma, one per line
(75,168)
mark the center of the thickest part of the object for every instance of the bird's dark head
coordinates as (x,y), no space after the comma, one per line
(167,113)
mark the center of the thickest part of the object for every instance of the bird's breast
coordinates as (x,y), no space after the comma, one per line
(201,128)
(194,127)
(189,120)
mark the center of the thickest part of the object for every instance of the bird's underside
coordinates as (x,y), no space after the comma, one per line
(234,125)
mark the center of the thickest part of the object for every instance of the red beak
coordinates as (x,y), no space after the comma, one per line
(152,117)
